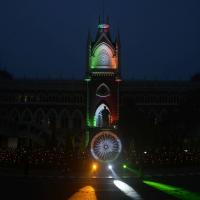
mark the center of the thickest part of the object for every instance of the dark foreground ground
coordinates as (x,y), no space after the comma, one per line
(60,187)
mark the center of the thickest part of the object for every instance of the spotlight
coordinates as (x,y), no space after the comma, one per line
(94,167)
(127,190)
(110,167)
(124,166)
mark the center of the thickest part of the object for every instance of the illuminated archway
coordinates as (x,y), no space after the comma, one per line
(98,121)
(103,57)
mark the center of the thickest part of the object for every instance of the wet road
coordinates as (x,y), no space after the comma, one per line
(158,187)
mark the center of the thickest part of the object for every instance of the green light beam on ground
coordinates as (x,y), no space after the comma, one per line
(177,192)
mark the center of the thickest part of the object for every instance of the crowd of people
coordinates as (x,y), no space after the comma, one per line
(43,158)
(164,157)
(39,158)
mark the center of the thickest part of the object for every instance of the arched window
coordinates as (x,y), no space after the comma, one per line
(103,57)
(39,117)
(14,115)
(51,118)
(27,116)
(102,117)
(103,90)
(77,119)
(64,119)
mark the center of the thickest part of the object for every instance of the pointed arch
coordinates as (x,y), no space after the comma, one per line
(15,115)
(27,115)
(103,57)
(52,118)
(39,116)
(77,119)
(103,38)
(103,90)
(64,119)
(104,45)
(99,118)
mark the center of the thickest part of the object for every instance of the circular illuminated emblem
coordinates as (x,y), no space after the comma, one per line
(105,146)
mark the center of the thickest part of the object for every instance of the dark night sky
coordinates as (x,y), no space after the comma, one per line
(47,38)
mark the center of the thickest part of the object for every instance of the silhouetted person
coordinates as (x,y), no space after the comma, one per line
(105,117)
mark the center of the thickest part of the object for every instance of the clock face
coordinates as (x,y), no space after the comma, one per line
(105,146)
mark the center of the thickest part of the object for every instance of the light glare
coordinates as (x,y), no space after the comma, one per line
(110,167)
(94,167)
(127,190)
(124,166)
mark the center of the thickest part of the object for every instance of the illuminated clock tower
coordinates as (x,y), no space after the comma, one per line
(103,79)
